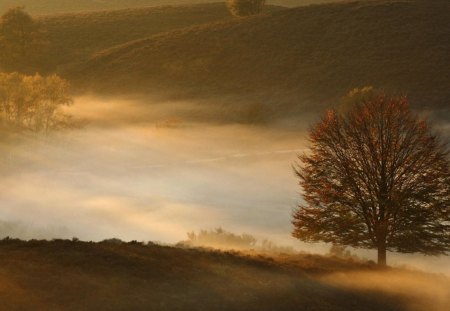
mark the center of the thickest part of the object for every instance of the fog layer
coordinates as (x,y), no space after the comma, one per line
(141,170)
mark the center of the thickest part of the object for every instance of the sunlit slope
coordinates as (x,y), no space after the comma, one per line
(314,53)
(65,275)
(75,36)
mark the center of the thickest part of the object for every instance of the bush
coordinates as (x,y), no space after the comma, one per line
(221,239)
(225,240)
(245,7)
(113,241)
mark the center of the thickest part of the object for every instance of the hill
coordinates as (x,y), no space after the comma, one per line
(307,54)
(73,37)
(72,275)
(43,7)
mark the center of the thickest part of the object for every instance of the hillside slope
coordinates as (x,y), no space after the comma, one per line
(312,54)
(74,37)
(43,7)
(65,6)
(68,275)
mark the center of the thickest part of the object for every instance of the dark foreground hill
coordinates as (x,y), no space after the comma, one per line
(302,55)
(71,275)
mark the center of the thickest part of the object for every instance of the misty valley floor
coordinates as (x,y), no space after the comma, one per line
(73,275)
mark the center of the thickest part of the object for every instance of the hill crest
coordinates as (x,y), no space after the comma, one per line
(317,53)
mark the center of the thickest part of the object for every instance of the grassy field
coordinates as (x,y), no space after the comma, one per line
(70,275)
(301,55)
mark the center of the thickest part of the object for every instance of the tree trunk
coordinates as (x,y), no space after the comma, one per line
(382,253)
(381,242)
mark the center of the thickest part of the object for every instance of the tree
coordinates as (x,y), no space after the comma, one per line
(33,102)
(375,177)
(245,7)
(21,40)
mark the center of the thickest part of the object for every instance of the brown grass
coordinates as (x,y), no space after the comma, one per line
(72,275)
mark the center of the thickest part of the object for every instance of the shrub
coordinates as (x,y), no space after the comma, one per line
(245,7)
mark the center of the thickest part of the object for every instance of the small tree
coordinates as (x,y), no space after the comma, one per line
(33,102)
(245,7)
(375,177)
(21,41)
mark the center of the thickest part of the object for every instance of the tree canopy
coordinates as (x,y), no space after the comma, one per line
(21,41)
(33,102)
(376,176)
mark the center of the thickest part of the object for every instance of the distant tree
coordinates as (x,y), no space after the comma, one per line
(245,7)
(33,102)
(21,40)
(375,177)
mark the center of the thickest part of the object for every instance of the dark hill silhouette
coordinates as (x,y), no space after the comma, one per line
(302,55)
(73,275)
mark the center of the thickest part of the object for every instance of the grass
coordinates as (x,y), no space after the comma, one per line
(74,275)
(300,56)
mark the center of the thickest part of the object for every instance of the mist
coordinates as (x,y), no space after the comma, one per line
(142,169)
(420,291)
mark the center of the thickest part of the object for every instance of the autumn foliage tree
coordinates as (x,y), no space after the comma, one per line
(376,177)
(33,102)
(245,7)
